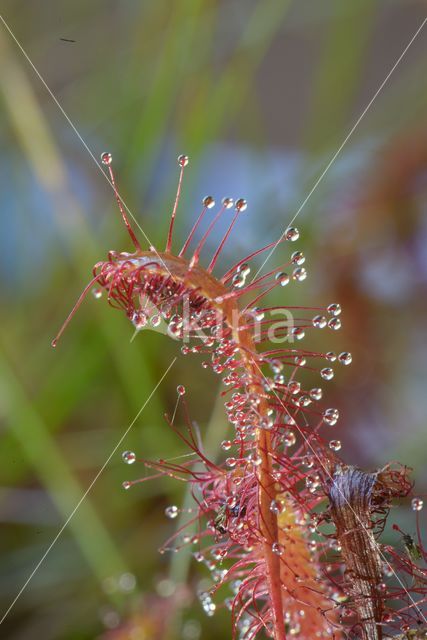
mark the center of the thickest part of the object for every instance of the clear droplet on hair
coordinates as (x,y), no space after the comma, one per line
(345,358)
(129,457)
(417,504)
(334,309)
(106,158)
(276,506)
(289,439)
(282,278)
(298,333)
(334,323)
(316,393)
(244,268)
(319,322)
(330,416)
(292,234)
(180,390)
(208,202)
(97,293)
(241,205)
(299,274)
(226,445)
(126,484)
(298,258)
(227,203)
(238,281)
(183,160)
(335,445)
(276,549)
(331,356)
(155,320)
(171,512)
(327,373)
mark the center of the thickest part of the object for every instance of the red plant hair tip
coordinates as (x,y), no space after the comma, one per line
(227,203)
(241,205)
(107,159)
(182,162)
(74,309)
(208,202)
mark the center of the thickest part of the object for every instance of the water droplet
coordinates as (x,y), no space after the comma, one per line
(227,203)
(277,549)
(330,416)
(97,293)
(171,512)
(299,274)
(294,387)
(139,320)
(292,234)
(231,462)
(289,439)
(208,202)
(316,393)
(126,484)
(319,322)
(183,160)
(129,457)
(300,361)
(238,281)
(327,373)
(335,445)
(106,158)
(345,358)
(298,333)
(331,356)
(276,506)
(282,278)
(180,390)
(226,445)
(155,320)
(298,258)
(334,323)
(334,309)
(241,205)
(259,314)
(417,504)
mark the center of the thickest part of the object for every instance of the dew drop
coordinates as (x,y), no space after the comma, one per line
(335,445)
(155,320)
(241,205)
(345,358)
(183,160)
(292,234)
(300,361)
(226,445)
(208,202)
(330,416)
(331,356)
(294,387)
(276,549)
(129,457)
(334,323)
(139,320)
(126,484)
(316,393)
(227,203)
(275,506)
(319,322)
(298,258)
(299,274)
(334,309)
(106,158)
(298,333)
(171,512)
(327,373)
(180,390)
(259,314)
(289,439)
(282,278)
(97,293)
(238,281)
(231,462)
(417,504)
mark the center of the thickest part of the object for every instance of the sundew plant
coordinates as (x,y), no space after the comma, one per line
(290,534)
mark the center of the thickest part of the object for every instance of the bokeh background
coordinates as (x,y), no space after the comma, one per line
(260,94)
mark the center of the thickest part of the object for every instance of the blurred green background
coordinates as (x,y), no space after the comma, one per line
(260,94)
